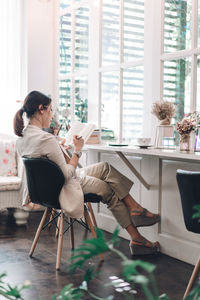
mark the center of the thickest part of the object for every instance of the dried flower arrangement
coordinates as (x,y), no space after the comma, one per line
(164,111)
(186,126)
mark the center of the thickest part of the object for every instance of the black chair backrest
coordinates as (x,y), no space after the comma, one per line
(189,188)
(45,180)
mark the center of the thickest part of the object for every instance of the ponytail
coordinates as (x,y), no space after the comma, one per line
(18,122)
(30,106)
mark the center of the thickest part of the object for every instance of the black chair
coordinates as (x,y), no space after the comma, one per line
(189,188)
(45,180)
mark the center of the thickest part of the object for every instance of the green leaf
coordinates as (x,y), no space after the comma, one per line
(140,279)
(83,286)
(88,250)
(146,266)
(100,234)
(197,207)
(66,289)
(163,297)
(89,275)
(196,215)
(115,239)
(84,247)
(69,293)
(111,297)
(3,275)
(130,268)
(13,292)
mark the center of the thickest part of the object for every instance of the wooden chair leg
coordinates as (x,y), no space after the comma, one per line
(58,225)
(60,241)
(192,278)
(71,234)
(88,219)
(51,217)
(92,214)
(38,232)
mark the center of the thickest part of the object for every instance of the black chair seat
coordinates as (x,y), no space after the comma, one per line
(91,197)
(189,188)
(88,197)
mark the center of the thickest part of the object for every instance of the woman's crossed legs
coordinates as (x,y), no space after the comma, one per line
(106,181)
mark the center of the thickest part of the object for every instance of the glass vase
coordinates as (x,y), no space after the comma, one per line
(185,142)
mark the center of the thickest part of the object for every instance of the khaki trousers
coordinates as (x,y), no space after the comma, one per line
(104,180)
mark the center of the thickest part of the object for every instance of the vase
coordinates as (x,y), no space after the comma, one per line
(184,142)
(166,121)
(164,133)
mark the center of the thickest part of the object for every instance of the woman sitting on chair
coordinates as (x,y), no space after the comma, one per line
(100,178)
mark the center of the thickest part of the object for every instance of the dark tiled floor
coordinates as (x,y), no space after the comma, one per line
(172,275)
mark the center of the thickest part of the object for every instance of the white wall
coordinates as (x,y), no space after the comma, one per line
(40,46)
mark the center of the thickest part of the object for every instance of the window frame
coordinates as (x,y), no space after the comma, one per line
(153,62)
(193,52)
(73,74)
(116,67)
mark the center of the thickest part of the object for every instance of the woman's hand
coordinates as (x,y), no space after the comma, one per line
(78,142)
(64,146)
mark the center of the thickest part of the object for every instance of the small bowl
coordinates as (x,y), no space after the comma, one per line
(143,141)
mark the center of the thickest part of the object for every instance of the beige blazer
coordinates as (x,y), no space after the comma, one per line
(38,143)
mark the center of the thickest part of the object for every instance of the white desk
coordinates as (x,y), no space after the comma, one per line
(159,153)
(155,188)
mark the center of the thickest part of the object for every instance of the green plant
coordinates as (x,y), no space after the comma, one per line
(9,292)
(69,293)
(196,215)
(81,109)
(134,272)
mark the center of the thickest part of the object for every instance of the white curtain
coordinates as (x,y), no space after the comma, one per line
(12,60)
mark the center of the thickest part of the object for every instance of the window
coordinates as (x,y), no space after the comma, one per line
(117,57)
(179,57)
(122,68)
(73,71)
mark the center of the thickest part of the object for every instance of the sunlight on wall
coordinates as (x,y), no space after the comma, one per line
(10,61)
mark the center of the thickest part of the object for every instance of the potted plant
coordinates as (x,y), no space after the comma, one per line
(184,128)
(164,111)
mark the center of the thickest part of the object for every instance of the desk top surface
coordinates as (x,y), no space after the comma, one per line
(151,151)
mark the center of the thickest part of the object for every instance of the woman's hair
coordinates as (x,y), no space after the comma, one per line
(30,106)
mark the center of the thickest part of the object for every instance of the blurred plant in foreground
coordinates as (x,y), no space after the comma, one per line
(9,292)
